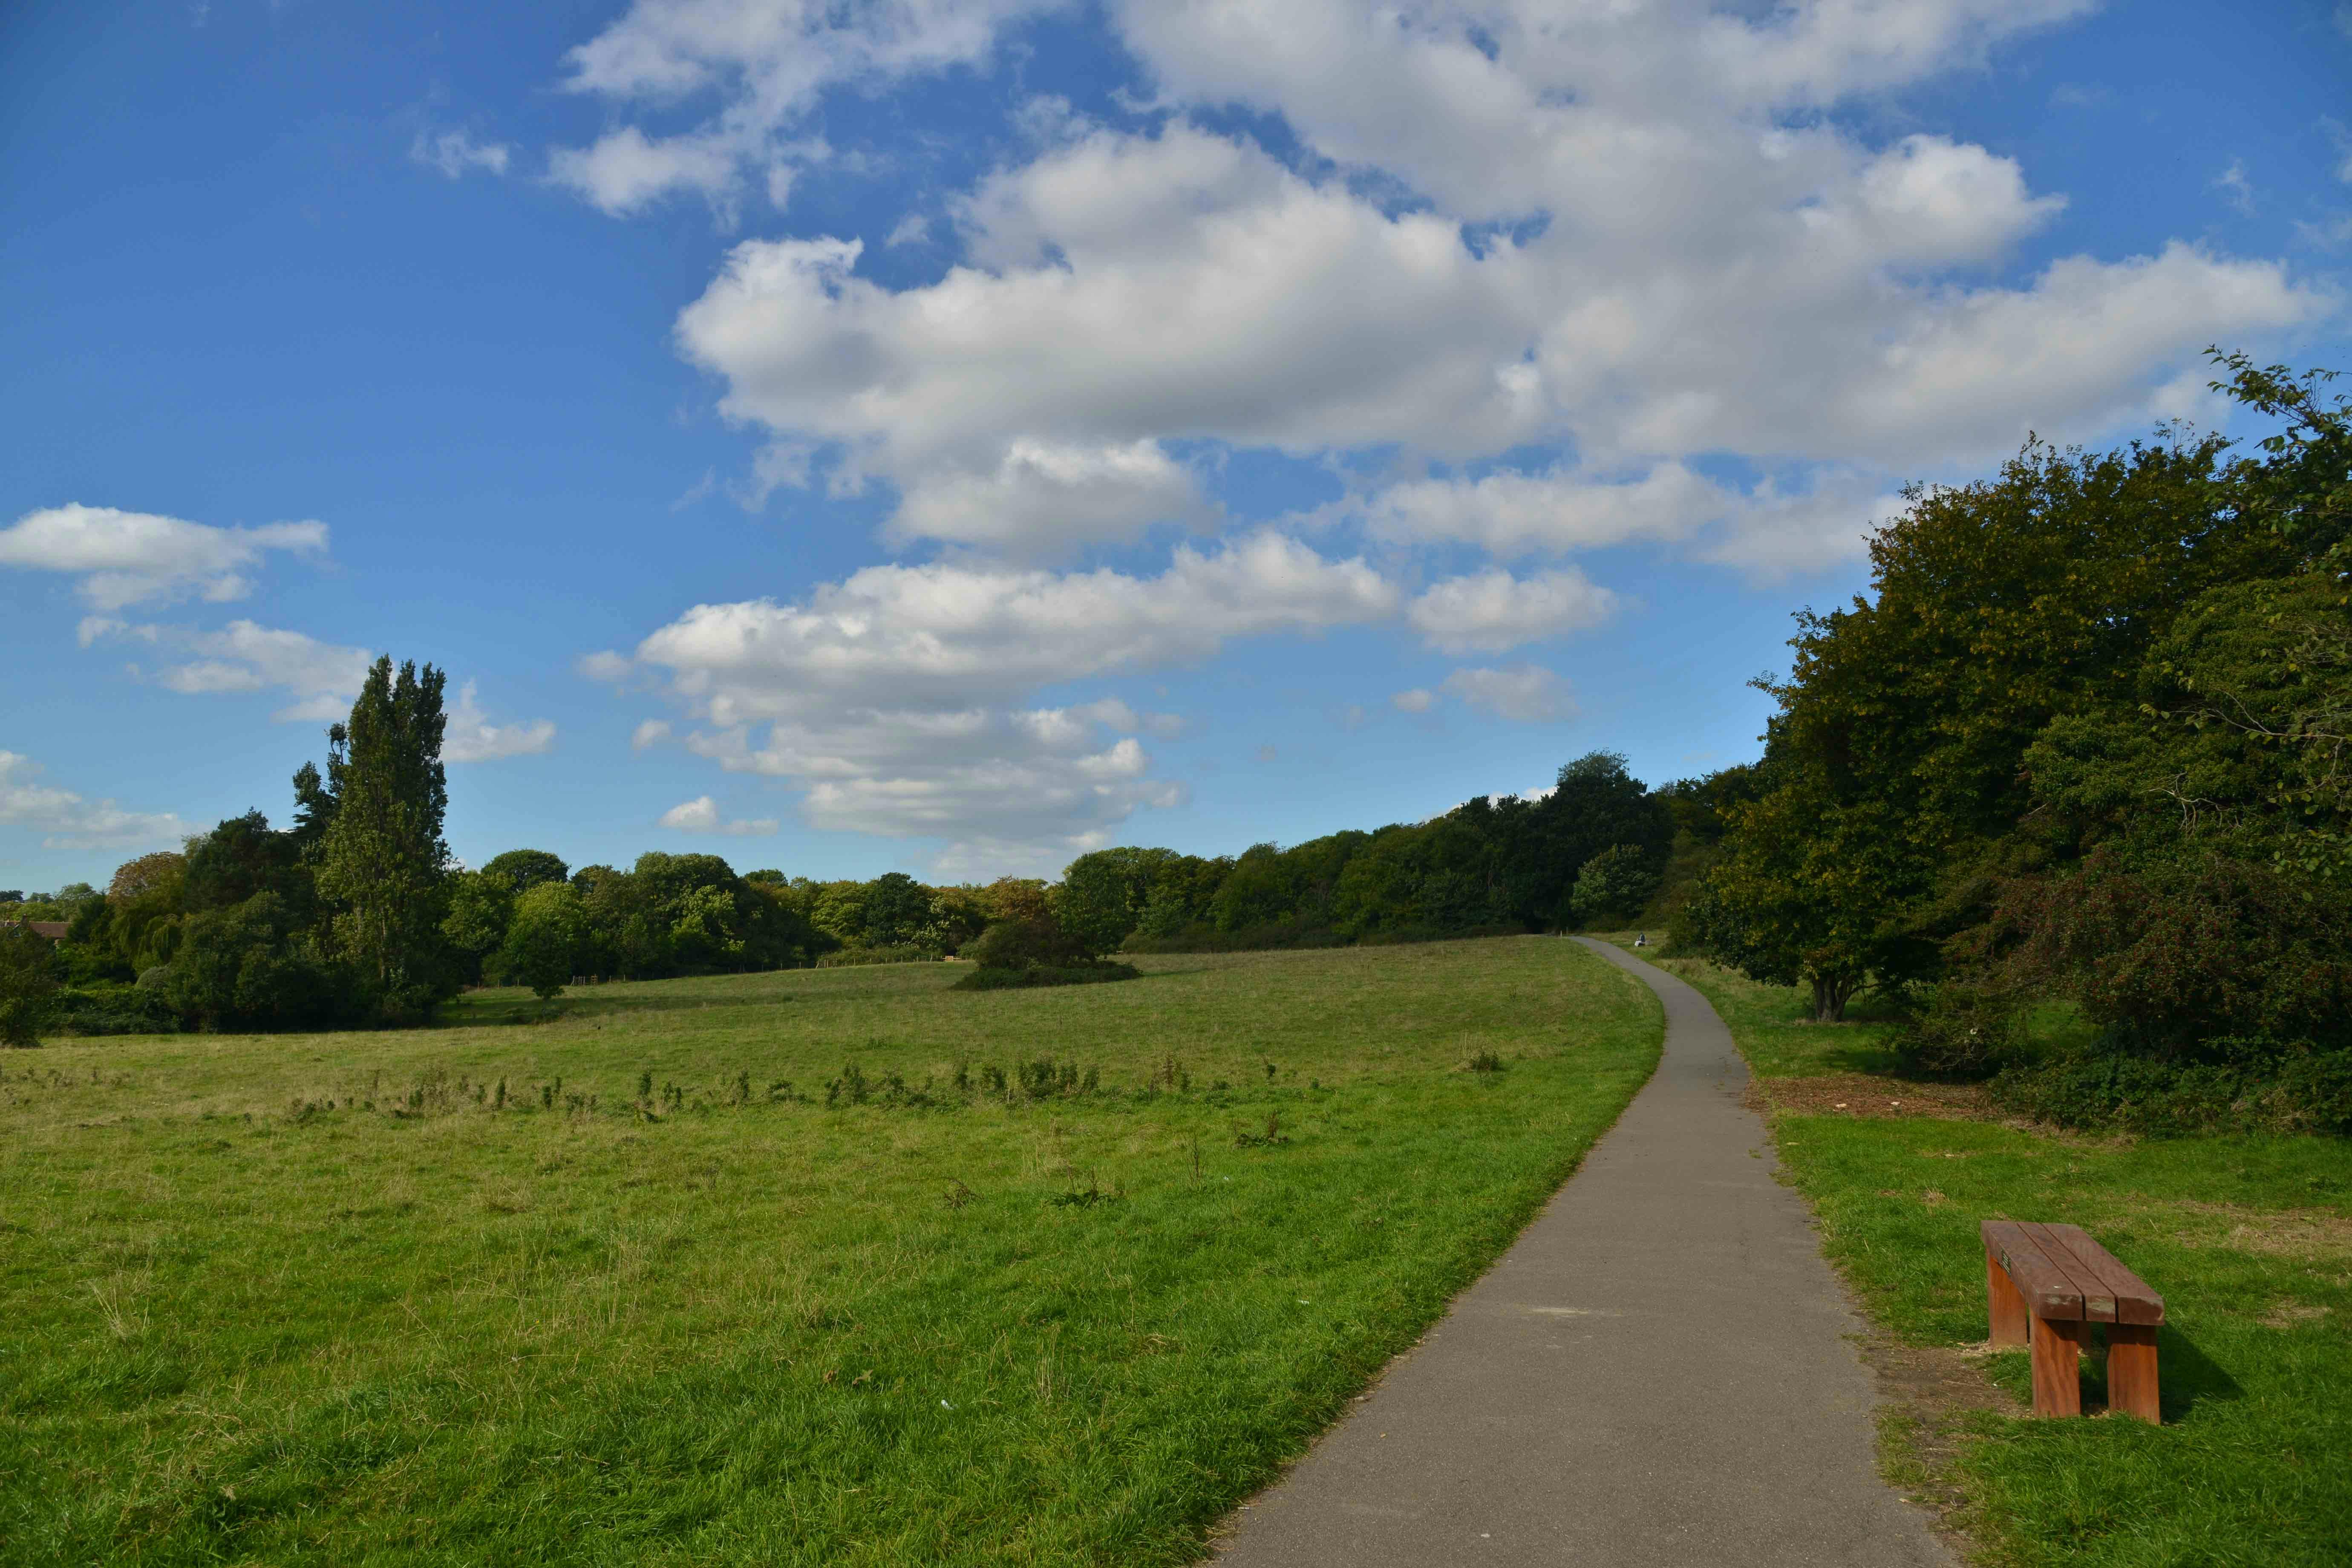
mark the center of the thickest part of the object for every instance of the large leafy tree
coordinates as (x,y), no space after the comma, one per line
(382,863)
(29,984)
(1895,767)
(547,939)
(1810,890)
(251,965)
(527,868)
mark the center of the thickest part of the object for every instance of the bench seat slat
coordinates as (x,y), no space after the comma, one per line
(2127,1298)
(2049,1292)
(2099,1302)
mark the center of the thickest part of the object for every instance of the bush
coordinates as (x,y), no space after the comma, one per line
(995,978)
(2254,1084)
(2170,956)
(247,967)
(901,953)
(115,1010)
(1026,944)
(1963,1032)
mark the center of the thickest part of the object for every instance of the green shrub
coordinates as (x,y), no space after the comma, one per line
(2251,1084)
(115,1010)
(1025,945)
(1963,1032)
(249,967)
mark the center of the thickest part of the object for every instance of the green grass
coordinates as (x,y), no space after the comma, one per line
(302,1298)
(2249,1240)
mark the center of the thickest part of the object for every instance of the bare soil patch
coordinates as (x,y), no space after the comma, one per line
(1861,1094)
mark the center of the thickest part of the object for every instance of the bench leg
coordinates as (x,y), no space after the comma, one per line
(2131,1370)
(2007,1305)
(2057,1366)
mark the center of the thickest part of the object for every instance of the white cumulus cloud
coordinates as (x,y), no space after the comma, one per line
(1044,499)
(701,815)
(767,61)
(624,171)
(1693,262)
(1624,249)
(894,699)
(68,821)
(1494,611)
(470,737)
(126,558)
(246,656)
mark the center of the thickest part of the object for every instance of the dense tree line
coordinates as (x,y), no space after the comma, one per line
(2085,738)
(1593,848)
(356,915)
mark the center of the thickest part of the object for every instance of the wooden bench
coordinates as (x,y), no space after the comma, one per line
(2045,1283)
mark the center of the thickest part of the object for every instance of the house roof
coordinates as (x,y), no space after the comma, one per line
(54,929)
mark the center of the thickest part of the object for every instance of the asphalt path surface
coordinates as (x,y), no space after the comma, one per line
(1658,1372)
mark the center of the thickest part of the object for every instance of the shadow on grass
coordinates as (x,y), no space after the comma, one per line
(573,1005)
(2187,1377)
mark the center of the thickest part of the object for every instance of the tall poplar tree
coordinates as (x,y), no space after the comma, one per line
(382,862)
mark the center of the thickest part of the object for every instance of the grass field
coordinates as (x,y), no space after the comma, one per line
(738,1273)
(2249,1239)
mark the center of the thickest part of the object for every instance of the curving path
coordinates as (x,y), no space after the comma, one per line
(1656,1372)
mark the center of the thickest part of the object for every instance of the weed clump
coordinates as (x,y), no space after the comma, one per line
(1273,1137)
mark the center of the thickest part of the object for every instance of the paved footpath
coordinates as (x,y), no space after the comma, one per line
(1656,1372)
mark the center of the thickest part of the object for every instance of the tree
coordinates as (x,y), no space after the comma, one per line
(527,868)
(896,909)
(1104,893)
(838,910)
(481,907)
(1810,890)
(134,879)
(1895,779)
(1017,899)
(382,863)
(1594,804)
(241,858)
(1615,885)
(2300,487)
(252,966)
(544,942)
(29,984)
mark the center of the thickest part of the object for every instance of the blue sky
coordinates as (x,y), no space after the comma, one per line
(951,435)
